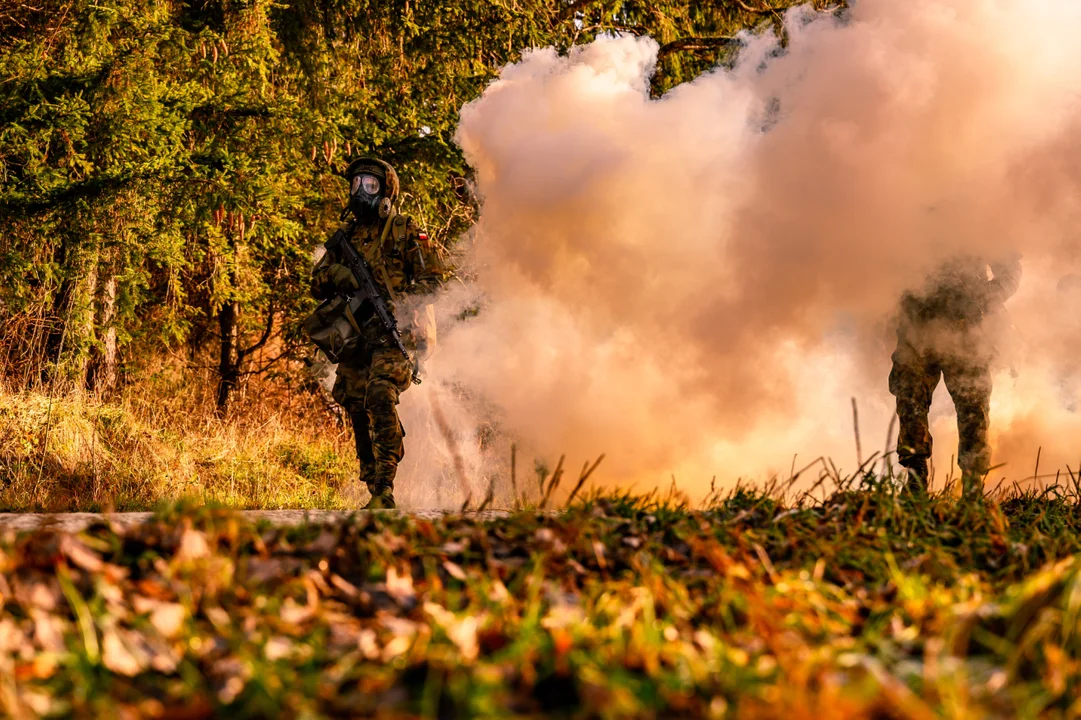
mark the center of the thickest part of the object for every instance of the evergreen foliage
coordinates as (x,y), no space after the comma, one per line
(166,166)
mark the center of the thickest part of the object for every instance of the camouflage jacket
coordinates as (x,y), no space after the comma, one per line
(403,259)
(960,290)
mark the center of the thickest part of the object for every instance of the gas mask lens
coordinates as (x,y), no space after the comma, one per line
(367,184)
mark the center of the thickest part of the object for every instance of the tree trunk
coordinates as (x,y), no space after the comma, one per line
(228,359)
(72,323)
(101,370)
(53,345)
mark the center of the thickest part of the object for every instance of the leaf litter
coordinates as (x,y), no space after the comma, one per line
(859,604)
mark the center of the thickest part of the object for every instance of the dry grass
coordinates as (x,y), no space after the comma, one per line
(161,441)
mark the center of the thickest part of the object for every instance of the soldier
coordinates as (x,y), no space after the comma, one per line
(404,261)
(947,331)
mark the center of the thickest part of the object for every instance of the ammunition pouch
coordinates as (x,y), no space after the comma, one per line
(334,329)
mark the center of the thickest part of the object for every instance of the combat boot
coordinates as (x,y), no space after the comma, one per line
(971,485)
(382,497)
(916,483)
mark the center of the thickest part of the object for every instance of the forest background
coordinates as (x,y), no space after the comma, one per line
(166,169)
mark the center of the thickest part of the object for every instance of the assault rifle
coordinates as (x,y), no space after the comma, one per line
(367,289)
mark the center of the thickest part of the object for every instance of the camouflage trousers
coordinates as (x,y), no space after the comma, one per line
(368,387)
(913,379)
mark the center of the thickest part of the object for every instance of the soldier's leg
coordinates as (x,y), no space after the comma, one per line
(363,435)
(969,382)
(913,379)
(389,376)
(349,391)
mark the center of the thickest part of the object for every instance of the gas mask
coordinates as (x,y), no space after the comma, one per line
(367,197)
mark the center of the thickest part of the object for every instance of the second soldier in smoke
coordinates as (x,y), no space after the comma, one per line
(371,376)
(948,331)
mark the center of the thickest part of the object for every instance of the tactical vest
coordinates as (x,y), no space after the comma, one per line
(334,326)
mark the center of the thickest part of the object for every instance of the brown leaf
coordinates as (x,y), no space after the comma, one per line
(168,619)
(278,648)
(218,617)
(11,637)
(455,571)
(598,551)
(398,645)
(41,667)
(42,595)
(400,587)
(193,545)
(80,555)
(346,587)
(153,588)
(48,631)
(294,614)
(116,656)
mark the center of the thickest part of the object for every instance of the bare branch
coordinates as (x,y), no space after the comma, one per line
(245,352)
(696,43)
(288,351)
(764,10)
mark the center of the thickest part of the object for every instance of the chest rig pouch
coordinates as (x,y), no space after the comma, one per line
(336,325)
(334,329)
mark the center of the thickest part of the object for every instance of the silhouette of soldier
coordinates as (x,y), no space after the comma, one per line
(945,332)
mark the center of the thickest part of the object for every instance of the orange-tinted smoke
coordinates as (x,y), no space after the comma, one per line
(697,284)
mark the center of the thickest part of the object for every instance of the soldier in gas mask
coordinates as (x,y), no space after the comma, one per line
(948,331)
(371,376)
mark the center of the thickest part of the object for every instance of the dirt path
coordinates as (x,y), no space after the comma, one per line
(76,522)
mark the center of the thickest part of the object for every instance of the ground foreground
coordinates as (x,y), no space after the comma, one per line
(857,605)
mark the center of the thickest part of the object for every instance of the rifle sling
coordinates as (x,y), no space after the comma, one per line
(382,266)
(351,317)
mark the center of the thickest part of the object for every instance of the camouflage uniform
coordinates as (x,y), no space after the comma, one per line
(944,333)
(403,261)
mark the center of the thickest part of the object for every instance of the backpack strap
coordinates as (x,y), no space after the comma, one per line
(398,223)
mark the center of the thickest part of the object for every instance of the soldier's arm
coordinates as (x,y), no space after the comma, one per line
(322,284)
(427,261)
(1007,278)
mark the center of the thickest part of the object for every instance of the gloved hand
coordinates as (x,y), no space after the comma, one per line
(342,278)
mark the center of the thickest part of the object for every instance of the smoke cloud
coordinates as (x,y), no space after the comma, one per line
(698,284)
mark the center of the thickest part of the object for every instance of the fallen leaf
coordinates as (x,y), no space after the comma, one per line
(116,656)
(294,614)
(168,619)
(192,546)
(277,648)
(45,596)
(80,554)
(366,641)
(218,617)
(397,646)
(400,587)
(40,703)
(48,631)
(455,571)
